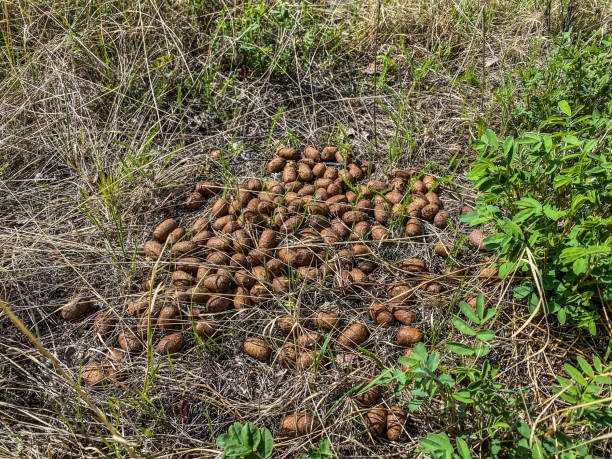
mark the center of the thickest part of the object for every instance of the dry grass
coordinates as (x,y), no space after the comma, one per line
(102,136)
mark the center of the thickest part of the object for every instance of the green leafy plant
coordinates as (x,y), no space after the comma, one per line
(481,413)
(478,317)
(547,185)
(323,451)
(278,37)
(588,394)
(549,197)
(248,441)
(584,391)
(465,390)
(577,69)
(439,445)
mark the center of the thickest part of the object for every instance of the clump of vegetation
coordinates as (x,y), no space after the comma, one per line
(279,38)
(548,191)
(577,70)
(480,414)
(247,441)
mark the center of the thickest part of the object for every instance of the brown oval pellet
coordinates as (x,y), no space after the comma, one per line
(299,424)
(257,348)
(276,165)
(376,420)
(152,249)
(408,336)
(129,341)
(170,344)
(194,201)
(162,230)
(353,335)
(76,307)
(396,418)
(104,323)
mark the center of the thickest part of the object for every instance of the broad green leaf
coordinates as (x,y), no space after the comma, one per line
(250,435)
(524,430)
(511,228)
(596,170)
(438,442)
(580,266)
(601,417)
(572,140)
(468,312)
(571,254)
(537,449)
(469,217)
(563,381)
(446,379)
(523,215)
(462,449)
(485,335)
(464,396)
(463,327)
(324,450)
(508,144)
(418,392)
(459,348)
(491,139)
(521,291)
(415,403)
(533,302)
(599,249)
(506,268)
(419,350)
(266,444)
(592,388)
(590,145)
(565,108)
(561,180)
(488,314)
(509,149)
(407,361)
(578,201)
(235,431)
(480,221)
(430,445)
(529,203)
(561,316)
(225,440)
(325,447)
(568,159)
(420,372)
(552,213)
(481,349)
(237,450)
(495,239)
(575,374)
(400,377)
(529,139)
(478,145)
(480,306)
(547,143)
(597,364)
(433,361)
